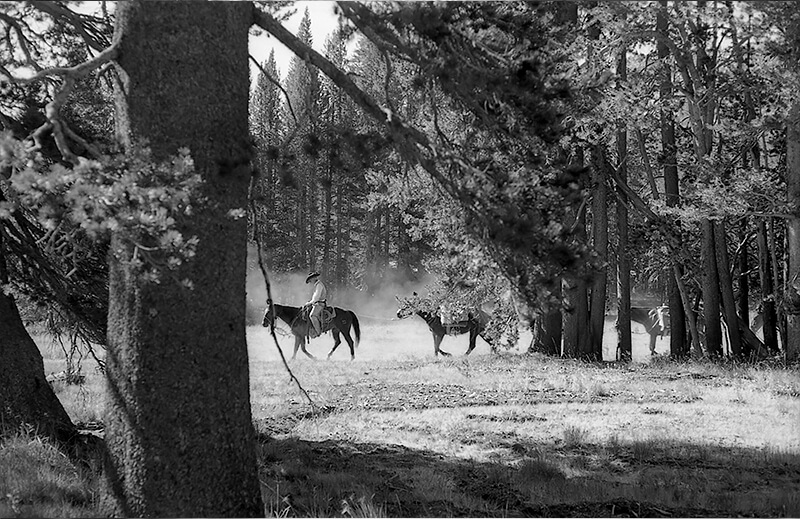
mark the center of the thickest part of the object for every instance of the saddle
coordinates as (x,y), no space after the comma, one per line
(454,322)
(328,313)
(326,317)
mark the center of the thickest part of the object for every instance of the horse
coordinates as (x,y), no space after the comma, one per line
(297,319)
(474,324)
(654,321)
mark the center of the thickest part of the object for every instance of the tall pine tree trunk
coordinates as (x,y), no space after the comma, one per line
(312,212)
(327,187)
(179,432)
(576,296)
(624,345)
(677,317)
(769,316)
(547,332)
(711,302)
(339,236)
(744,274)
(792,296)
(726,289)
(597,314)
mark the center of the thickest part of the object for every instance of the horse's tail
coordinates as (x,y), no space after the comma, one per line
(356,328)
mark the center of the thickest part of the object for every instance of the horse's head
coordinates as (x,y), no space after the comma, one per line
(269,315)
(406,307)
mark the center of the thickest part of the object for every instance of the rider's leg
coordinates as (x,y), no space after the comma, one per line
(315,316)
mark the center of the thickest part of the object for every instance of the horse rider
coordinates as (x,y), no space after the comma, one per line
(317,303)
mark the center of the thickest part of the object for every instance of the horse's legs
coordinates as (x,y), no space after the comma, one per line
(301,341)
(297,340)
(473,336)
(437,340)
(653,337)
(350,343)
(336,341)
(492,345)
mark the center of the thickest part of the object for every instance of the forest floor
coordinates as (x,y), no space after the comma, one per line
(399,433)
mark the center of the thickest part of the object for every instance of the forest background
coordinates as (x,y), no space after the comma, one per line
(696,145)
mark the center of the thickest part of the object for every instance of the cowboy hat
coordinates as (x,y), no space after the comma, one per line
(312,276)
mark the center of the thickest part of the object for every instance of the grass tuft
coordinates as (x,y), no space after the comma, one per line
(574,436)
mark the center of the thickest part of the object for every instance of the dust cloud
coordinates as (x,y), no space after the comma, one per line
(291,289)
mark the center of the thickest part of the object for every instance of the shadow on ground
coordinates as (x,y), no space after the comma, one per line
(342,478)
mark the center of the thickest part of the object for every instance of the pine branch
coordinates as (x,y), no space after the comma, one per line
(82,24)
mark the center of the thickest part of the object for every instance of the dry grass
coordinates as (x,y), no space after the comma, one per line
(37,480)
(399,433)
(691,437)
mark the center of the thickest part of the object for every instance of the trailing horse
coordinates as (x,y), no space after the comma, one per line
(474,324)
(654,321)
(297,318)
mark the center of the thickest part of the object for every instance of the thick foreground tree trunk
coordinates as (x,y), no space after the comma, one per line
(178,425)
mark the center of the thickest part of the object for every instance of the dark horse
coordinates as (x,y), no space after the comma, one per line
(297,319)
(654,321)
(475,325)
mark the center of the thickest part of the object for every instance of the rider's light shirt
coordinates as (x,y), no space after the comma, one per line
(320,292)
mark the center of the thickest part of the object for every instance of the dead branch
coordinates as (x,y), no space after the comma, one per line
(69,76)
(23,41)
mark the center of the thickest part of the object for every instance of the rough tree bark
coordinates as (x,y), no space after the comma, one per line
(599,289)
(726,289)
(743,299)
(624,345)
(547,331)
(178,424)
(770,317)
(677,317)
(792,296)
(711,291)
(576,295)
(597,311)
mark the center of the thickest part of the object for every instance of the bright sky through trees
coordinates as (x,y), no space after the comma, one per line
(323,23)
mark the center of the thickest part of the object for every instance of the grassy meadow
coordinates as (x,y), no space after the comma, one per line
(399,433)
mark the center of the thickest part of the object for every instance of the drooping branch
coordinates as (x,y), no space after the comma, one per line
(507,198)
(415,145)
